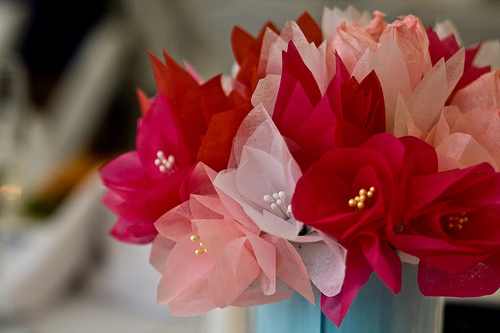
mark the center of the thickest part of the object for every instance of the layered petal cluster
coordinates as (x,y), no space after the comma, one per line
(209,259)
(262,179)
(183,124)
(349,194)
(451,225)
(334,151)
(468,130)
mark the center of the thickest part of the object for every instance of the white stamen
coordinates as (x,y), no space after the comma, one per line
(268,198)
(277,203)
(165,164)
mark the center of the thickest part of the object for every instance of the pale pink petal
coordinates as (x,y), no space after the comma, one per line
(266,92)
(482,94)
(377,26)
(332,18)
(216,234)
(484,127)
(253,295)
(464,149)
(412,40)
(443,127)
(176,223)
(265,253)
(350,43)
(426,102)
(234,270)
(290,268)
(160,249)
(183,270)
(193,301)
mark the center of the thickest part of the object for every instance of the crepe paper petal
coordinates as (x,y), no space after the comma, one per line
(325,265)
(294,70)
(310,28)
(133,232)
(237,272)
(192,71)
(384,261)
(144,101)
(446,28)
(389,65)
(266,92)
(426,102)
(484,127)
(315,135)
(464,149)
(311,54)
(192,302)
(377,25)
(362,112)
(160,250)
(412,41)
(480,280)
(246,50)
(332,18)
(216,147)
(437,204)
(357,274)
(253,294)
(482,94)
(446,47)
(351,42)
(182,270)
(125,174)
(419,157)
(290,267)
(265,254)
(179,87)
(158,131)
(176,224)
(442,129)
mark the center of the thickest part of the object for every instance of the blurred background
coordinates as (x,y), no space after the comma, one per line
(68,73)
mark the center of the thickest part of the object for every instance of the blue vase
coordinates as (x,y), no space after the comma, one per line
(375,310)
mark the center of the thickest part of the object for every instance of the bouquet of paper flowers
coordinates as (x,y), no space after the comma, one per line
(330,153)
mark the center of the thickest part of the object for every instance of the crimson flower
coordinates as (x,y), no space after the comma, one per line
(180,126)
(451,225)
(348,114)
(348,194)
(358,107)
(145,183)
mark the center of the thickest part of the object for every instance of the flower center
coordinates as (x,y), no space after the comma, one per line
(198,252)
(359,201)
(277,203)
(454,222)
(165,164)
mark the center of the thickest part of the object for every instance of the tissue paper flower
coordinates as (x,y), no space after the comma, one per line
(349,194)
(181,125)
(262,179)
(207,245)
(333,151)
(450,223)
